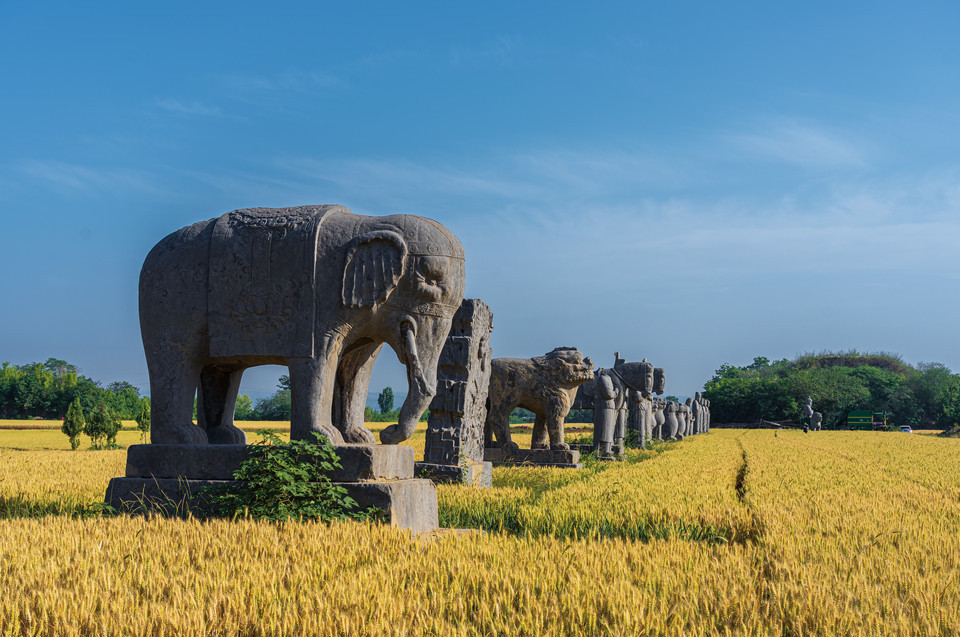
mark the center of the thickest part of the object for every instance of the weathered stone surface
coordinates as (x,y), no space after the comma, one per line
(816,421)
(218,462)
(540,457)
(468,472)
(671,424)
(409,504)
(315,288)
(546,385)
(458,411)
(659,419)
(608,396)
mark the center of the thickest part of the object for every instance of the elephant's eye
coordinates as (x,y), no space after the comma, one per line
(431,272)
(433,269)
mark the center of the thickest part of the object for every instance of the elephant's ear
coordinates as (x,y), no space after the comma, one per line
(373,267)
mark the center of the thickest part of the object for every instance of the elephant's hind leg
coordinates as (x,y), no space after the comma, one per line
(217,401)
(173,386)
(312,384)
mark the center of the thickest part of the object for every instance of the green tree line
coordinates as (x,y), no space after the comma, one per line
(925,396)
(46,390)
(277,406)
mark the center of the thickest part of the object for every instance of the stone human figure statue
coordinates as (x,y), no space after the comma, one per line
(687,419)
(704,414)
(610,402)
(816,421)
(607,393)
(808,408)
(697,412)
(691,418)
(671,424)
(707,403)
(659,404)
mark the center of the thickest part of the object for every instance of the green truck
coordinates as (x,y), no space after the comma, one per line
(862,419)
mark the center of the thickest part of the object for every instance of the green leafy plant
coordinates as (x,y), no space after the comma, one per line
(385,400)
(102,427)
(73,423)
(143,418)
(283,481)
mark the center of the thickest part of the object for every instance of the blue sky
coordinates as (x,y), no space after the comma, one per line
(695,183)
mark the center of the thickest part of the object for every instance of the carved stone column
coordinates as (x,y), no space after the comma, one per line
(454,440)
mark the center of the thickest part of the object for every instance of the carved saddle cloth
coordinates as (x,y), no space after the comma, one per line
(261,297)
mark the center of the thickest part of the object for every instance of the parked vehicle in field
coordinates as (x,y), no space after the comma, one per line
(906,429)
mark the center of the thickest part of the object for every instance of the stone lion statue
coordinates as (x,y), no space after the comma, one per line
(546,385)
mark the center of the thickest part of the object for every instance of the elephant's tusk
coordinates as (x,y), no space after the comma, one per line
(409,345)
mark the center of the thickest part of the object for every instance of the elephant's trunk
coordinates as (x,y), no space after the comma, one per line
(422,386)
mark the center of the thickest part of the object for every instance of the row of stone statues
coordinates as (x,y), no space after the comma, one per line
(661,419)
(321,290)
(621,397)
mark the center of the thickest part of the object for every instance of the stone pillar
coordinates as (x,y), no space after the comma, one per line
(454,441)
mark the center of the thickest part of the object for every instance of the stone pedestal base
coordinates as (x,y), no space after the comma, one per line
(470,473)
(533,457)
(170,479)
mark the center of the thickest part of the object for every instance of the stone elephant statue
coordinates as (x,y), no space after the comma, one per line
(546,385)
(316,288)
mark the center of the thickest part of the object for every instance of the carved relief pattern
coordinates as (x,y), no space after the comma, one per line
(261,276)
(458,411)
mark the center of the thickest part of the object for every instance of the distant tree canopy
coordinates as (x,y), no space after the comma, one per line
(277,406)
(385,400)
(46,390)
(925,396)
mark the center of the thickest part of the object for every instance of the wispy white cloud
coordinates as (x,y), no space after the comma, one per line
(499,51)
(801,143)
(77,177)
(291,80)
(189,107)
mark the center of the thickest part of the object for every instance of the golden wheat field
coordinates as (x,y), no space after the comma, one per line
(734,532)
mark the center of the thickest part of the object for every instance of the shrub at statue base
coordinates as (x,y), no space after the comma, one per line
(286,480)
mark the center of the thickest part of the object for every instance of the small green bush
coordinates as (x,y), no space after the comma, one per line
(102,427)
(283,481)
(73,423)
(143,417)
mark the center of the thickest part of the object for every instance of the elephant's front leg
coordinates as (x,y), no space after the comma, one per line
(311,395)
(353,382)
